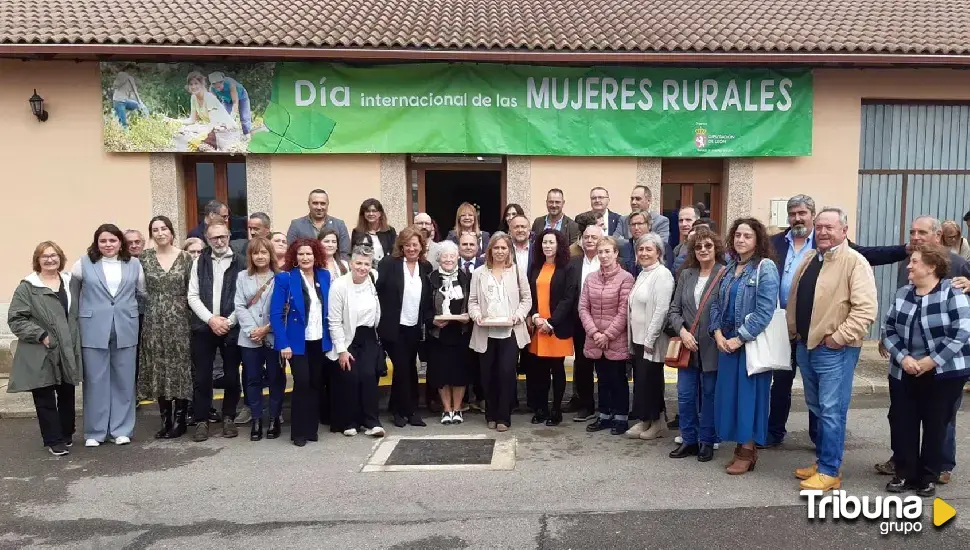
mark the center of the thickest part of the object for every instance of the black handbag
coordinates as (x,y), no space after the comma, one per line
(381,352)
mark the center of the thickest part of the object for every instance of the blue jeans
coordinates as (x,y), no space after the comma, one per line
(827,375)
(121,111)
(245,113)
(780,407)
(691,381)
(253,360)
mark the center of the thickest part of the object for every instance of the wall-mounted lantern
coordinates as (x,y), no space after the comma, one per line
(37,106)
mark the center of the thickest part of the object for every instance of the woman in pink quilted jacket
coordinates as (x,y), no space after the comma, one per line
(603,312)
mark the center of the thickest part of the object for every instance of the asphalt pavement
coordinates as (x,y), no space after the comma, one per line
(568,489)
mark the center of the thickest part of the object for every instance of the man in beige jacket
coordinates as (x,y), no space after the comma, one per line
(831,305)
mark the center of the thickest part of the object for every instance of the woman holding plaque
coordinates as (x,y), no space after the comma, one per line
(400,287)
(554,285)
(498,302)
(449,332)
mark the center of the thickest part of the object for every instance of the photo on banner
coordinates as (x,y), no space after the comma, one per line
(464,108)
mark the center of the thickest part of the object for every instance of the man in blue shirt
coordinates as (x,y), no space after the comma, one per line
(790,248)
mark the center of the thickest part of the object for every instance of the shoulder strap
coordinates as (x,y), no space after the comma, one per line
(700,306)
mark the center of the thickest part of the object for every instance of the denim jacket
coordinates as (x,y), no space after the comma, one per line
(755,303)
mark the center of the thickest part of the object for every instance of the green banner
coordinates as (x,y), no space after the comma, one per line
(471,108)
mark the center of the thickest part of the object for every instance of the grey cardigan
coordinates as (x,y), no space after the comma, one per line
(257,315)
(683,311)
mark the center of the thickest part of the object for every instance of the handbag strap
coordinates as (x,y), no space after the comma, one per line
(703,302)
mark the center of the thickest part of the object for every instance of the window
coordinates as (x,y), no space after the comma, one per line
(216,178)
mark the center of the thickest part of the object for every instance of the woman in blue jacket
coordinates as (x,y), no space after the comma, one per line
(740,311)
(298,315)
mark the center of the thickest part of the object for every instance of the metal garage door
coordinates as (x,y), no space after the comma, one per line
(914,160)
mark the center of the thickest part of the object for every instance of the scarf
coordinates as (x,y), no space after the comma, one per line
(448,278)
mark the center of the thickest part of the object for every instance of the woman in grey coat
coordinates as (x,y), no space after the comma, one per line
(700,274)
(43,315)
(109,279)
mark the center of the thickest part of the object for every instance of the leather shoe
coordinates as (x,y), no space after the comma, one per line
(400,421)
(619,427)
(274,428)
(926,490)
(538,418)
(599,424)
(899,485)
(257,432)
(705,453)
(416,420)
(685,450)
(554,419)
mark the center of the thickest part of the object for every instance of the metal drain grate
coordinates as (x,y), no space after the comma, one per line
(442,452)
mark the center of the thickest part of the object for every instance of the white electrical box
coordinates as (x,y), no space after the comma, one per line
(778,213)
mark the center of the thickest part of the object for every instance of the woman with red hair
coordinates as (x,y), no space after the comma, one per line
(298,315)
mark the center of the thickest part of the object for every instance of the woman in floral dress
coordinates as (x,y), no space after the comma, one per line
(166,366)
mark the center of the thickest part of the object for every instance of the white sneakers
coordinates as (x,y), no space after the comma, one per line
(91,443)
(350,432)
(376,431)
(451,418)
(122,440)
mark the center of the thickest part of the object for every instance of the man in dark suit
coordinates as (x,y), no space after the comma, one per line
(258,225)
(790,248)
(639,226)
(470,258)
(599,201)
(556,219)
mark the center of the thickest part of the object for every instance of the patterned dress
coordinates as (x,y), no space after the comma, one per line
(166,365)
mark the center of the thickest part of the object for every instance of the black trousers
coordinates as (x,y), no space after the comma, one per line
(354,400)
(544,369)
(476,386)
(403,352)
(926,401)
(499,376)
(535,399)
(582,373)
(648,387)
(307,370)
(55,413)
(204,346)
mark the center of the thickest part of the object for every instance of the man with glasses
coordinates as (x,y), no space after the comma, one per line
(599,201)
(639,226)
(215,212)
(212,288)
(423,222)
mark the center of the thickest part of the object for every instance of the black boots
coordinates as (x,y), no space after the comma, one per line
(180,425)
(555,418)
(274,428)
(165,411)
(257,432)
(685,450)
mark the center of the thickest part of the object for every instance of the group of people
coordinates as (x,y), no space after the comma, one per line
(605,288)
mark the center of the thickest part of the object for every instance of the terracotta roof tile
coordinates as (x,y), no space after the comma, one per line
(829,26)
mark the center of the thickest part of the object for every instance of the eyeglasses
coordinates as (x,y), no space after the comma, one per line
(50,257)
(219,238)
(704,246)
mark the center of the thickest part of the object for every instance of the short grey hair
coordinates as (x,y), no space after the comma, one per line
(447,247)
(800,200)
(261,216)
(843,217)
(135,231)
(363,251)
(214,206)
(934,223)
(654,239)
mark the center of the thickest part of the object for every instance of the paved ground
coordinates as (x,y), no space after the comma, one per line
(569,489)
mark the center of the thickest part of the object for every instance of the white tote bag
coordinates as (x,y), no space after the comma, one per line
(770,350)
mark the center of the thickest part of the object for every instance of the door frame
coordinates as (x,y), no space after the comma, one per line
(422,168)
(190,182)
(687,173)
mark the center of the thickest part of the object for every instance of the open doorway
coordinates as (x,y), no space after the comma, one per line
(438,184)
(445,190)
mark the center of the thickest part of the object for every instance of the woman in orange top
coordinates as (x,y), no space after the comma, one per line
(555,285)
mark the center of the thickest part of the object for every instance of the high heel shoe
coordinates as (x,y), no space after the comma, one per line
(744,462)
(274,428)
(181,424)
(257,432)
(554,419)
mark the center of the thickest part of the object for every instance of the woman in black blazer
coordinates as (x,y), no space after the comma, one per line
(403,291)
(372,222)
(554,284)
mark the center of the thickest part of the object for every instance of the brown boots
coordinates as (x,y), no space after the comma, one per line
(744,461)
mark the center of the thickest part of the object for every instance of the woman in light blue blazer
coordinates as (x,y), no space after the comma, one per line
(298,315)
(109,280)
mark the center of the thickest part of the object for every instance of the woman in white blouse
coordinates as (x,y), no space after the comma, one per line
(649,302)
(109,281)
(354,313)
(498,303)
(329,239)
(404,295)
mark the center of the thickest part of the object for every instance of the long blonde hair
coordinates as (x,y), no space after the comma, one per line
(491,243)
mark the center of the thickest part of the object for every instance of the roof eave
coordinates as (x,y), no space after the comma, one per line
(74,51)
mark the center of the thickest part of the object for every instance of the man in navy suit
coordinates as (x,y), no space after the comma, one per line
(469,256)
(599,201)
(790,248)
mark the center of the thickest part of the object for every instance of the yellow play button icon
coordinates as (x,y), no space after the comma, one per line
(942,512)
